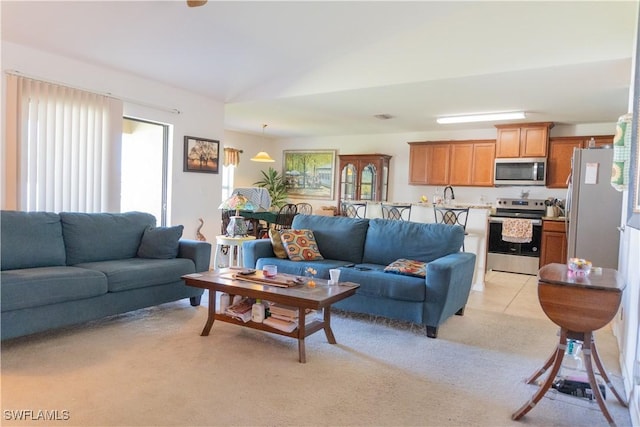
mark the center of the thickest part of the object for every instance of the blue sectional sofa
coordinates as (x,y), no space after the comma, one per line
(374,244)
(67,268)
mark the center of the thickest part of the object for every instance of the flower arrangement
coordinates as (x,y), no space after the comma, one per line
(311,272)
(579,266)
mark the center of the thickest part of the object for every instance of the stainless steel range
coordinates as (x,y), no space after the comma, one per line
(521,258)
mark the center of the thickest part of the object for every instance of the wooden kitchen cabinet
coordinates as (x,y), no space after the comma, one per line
(561,153)
(523,140)
(363,177)
(438,161)
(418,154)
(472,163)
(554,243)
(429,163)
(468,163)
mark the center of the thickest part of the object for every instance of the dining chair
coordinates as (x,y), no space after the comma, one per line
(353,209)
(397,212)
(304,208)
(285,216)
(452,216)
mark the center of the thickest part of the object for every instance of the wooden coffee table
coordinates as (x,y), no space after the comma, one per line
(322,296)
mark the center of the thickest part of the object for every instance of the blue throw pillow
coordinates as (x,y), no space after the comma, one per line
(160,242)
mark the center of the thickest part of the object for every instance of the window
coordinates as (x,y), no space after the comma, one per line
(144,166)
(63,148)
(227,181)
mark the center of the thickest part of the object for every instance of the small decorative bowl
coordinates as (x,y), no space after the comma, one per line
(579,266)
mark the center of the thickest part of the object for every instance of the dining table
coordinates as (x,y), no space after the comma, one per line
(255,217)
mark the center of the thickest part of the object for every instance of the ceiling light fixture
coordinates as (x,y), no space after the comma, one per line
(262,156)
(490,117)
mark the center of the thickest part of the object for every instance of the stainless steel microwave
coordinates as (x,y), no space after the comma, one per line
(520,171)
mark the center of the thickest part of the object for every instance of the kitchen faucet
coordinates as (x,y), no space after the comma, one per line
(444,193)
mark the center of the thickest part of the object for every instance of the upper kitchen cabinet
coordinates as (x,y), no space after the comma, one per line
(523,140)
(467,163)
(363,177)
(561,152)
(472,163)
(429,163)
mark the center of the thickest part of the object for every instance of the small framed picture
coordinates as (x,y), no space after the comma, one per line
(201,155)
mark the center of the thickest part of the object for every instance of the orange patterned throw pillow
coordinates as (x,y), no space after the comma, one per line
(300,245)
(407,267)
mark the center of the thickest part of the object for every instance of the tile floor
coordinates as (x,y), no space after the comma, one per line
(509,293)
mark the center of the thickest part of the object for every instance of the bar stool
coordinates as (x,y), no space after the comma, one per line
(235,244)
(452,216)
(395,211)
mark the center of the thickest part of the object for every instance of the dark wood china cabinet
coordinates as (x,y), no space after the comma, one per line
(363,177)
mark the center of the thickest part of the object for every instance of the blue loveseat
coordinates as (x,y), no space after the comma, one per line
(374,244)
(67,268)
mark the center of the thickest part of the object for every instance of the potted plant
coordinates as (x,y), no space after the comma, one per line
(274,183)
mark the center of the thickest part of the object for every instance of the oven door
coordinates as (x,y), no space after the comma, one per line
(498,246)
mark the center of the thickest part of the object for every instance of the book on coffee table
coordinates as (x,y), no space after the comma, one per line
(240,310)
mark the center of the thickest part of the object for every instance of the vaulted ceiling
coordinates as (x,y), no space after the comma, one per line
(327,68)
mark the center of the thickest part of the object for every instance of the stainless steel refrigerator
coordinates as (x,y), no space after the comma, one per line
(594,209)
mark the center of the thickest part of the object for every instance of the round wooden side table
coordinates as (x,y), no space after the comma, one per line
(580,305)
(235,245)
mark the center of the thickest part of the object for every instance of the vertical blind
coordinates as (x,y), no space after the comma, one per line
(66,148)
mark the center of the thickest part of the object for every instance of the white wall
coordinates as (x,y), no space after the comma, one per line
(193,195)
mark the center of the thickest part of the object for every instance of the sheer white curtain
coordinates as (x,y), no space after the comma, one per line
(62,148)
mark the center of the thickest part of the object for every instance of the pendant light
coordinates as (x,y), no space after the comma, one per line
(262,156)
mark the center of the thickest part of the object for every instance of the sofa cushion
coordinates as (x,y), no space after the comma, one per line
(300,245)
(376,283)
(34,287)
(160,242)
(90,237)
(276,242)
(338,238)
(31,239)
(407,267)
(388,240)
(141,272)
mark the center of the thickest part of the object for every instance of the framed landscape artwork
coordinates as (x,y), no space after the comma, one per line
(309,174)
(201,155)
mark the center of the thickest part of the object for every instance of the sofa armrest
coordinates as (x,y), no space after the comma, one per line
(197,251)
(253,250)
(448,282)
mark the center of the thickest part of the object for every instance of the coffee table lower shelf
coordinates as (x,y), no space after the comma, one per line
(300,333)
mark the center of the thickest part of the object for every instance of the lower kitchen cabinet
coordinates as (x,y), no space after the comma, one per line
(554,242)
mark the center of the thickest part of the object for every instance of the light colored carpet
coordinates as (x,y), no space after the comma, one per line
(152,368)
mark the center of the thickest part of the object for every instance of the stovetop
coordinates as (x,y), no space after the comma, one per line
(520,208)
(511,214)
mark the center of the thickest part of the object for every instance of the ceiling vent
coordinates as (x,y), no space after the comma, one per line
(383,116)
